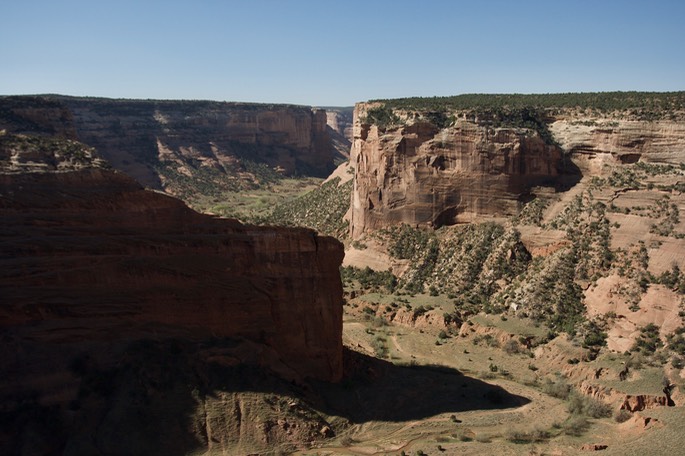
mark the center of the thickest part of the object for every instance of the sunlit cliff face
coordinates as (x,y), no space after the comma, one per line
(421,175)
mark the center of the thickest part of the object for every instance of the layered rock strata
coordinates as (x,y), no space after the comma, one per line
(91,260)
(411,171)
(139,136)
(591,142)
(419,174)
(341,121)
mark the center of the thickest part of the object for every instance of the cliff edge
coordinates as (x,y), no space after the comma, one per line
(186,148)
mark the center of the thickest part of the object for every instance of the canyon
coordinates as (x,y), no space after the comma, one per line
(89,252)
(546,244)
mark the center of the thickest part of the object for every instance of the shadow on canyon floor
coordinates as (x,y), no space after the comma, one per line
(159,397)
(377,390)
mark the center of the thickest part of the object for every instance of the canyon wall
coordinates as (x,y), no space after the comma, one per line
(155,141)
(91,261)
(411,171)
(419,174)
(596,140)
(341,121)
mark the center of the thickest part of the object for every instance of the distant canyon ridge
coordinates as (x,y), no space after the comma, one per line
(183,147)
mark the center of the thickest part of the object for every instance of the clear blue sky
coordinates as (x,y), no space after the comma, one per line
(338,52)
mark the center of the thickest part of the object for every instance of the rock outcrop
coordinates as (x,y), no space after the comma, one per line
(428,168)
(91,260)
(592,142)
(420,174)
(637,403)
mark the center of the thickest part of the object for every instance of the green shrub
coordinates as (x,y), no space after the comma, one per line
(622,416)
(594,336)
(586,405)
(559,389)
(576,425)
(526,436)
(381,116)
(511,347)
(649,340)
(380,347)
(369,279)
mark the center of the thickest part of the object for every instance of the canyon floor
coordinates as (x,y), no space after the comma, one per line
(490,384)
(465,394)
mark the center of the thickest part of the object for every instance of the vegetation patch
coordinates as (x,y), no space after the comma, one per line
(322,209)
(382,116)
(641,105)
(46,152)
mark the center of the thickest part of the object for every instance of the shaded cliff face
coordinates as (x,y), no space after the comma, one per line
(36,115)
(90,258)
(420,174)
(162,144)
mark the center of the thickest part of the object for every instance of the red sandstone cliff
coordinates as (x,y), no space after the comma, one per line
(90,258)
(420,174)
(412,171)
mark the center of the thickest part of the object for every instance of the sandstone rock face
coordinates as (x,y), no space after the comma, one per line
(420,174)
(412,171)
(293,138)
(139,136)
(642,402)
(593,141)
(341,121)
(91,259)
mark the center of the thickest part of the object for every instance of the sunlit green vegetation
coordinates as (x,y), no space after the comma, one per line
(54,152)
(650,105)
(321,209)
